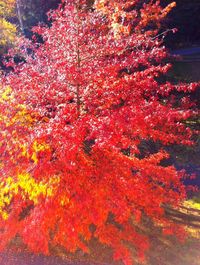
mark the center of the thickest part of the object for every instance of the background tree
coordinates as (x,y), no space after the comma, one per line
(185,17)
(93,93)
(30,13)
(7,29)
(21,15)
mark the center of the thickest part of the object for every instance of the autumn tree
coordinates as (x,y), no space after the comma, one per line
(77,111)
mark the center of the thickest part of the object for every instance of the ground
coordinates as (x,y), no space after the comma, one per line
(165,250)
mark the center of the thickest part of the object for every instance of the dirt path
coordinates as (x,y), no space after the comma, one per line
(10,258)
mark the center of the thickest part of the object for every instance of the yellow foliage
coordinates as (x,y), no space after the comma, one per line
(7,29)
(21,116)
(7,7)
(22,184)
(38,147)
(5,94)
(27,187)
(24,118)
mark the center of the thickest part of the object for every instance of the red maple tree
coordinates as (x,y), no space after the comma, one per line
(83,102)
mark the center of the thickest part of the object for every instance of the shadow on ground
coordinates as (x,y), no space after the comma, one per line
(165,250)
